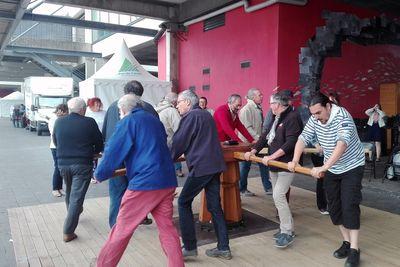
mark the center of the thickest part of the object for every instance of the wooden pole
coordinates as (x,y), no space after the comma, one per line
(240,156)
(274,163)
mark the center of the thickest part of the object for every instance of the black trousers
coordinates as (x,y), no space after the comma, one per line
(77,179)
(344,197)
(322,202)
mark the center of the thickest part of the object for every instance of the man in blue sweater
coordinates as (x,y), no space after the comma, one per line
(197,138)
(118,185)
(140,142)
(77,139)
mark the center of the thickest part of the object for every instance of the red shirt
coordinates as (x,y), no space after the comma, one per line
(226,125)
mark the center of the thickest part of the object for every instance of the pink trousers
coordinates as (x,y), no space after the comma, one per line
(134,207)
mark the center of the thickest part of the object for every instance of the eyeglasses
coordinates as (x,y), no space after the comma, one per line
(272,103)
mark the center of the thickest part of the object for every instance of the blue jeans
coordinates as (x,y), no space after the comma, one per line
(178,166)
(77,179)
(244,173)
(191,189)
(57,179)
(116,188)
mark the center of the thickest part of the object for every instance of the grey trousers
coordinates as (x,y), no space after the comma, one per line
(281,182)
(77,180)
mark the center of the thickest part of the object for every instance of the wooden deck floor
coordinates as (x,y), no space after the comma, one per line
(37,237)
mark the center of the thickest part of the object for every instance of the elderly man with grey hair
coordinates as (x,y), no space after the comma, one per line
(281,136)
(170,118)
(118,185)
(140,141)
(197,139)
(77,139)
(227,120)
(251,116)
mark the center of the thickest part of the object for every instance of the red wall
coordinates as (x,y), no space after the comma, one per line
(161,58)
(271,39)
(244,37)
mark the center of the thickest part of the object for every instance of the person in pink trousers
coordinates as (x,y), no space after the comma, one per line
(140,142)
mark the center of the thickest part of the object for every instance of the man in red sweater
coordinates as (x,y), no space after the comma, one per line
(227,120)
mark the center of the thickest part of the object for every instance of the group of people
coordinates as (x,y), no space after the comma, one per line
(18,116)
(147,142)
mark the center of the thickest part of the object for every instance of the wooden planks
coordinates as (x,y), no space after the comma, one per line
(37,236)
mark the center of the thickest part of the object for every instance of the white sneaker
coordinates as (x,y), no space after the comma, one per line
(324,212)
(62,192)
(56,193)
(247,193)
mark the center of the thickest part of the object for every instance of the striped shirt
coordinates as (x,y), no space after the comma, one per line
(340,127)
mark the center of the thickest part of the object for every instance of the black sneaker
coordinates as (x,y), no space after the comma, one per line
(343,251)
(147,221)
(353,260)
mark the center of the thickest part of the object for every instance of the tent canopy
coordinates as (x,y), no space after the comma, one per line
(15,98)
(109,81)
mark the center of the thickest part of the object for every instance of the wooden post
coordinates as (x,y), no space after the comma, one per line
(230,195)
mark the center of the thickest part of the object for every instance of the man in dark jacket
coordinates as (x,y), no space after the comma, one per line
(77,139)
(197,139)
(281,136)
(117,186)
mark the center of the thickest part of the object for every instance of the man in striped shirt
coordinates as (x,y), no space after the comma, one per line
(334,129)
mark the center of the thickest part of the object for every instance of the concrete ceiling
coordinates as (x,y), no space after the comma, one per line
(168,10)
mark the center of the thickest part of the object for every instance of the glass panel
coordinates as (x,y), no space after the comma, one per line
(51,102)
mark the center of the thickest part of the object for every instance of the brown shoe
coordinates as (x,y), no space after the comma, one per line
(69,237)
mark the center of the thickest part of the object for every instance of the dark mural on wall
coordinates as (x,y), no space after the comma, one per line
(327,42)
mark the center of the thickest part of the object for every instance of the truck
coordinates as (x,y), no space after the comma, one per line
(42,95)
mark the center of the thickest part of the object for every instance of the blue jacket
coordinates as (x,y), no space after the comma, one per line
(139,141)
(197,138)
(112,118)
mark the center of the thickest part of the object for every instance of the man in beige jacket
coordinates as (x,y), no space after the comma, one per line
(251,116)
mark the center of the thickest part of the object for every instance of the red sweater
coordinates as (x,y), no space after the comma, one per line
(226,125)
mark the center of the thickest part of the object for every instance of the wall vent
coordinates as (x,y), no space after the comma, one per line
(206,87)
(206,71)
(245,64)
(214,22)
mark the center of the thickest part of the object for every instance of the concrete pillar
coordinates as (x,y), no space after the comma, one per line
(89,67)
(172,60)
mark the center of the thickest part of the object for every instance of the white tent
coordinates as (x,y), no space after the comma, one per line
(109,81)
(15,98)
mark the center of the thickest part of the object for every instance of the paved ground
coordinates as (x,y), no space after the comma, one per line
(26,169)
(25,178)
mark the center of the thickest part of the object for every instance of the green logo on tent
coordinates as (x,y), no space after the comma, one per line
(128,68)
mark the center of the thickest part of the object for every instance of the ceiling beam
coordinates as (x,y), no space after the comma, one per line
(150,9)
(87,24)
(21,8)
(90,24)
(20,50)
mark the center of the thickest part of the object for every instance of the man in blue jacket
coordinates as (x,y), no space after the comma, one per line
(140,142)
(197,138)
(77,139)
(118,185)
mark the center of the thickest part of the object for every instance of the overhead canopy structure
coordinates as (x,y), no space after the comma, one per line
(15,98)
(109,81)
